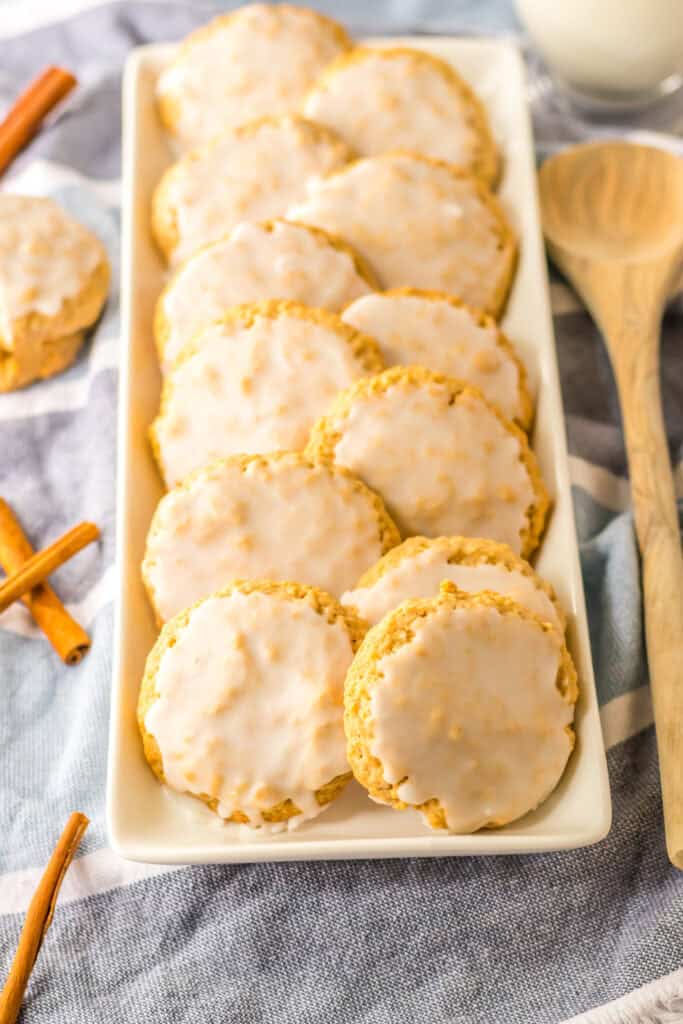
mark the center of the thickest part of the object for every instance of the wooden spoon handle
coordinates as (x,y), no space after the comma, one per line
(656,517)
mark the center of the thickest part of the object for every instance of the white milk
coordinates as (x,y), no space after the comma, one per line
(620,49)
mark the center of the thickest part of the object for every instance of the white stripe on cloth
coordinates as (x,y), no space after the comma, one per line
(103,870)
(16,18)
(626,715)
(89,875)
(563,299)
(660,1002)
(609,490)
(44,177)
(17,618)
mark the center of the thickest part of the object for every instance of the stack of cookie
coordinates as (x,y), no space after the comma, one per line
(335,382)
(54,276)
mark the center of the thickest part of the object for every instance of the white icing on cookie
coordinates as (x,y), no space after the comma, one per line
(417,223)
(253,383)
(256,261)
(265,725)
(468,713)
(276,517)
(442,467)
(45,257)
(397,99)
(259,60)
(434,332)
(250,173)
(419,576)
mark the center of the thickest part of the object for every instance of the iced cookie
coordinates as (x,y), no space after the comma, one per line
(398,98)
(255,381)
(54,276)
(277,516)
(419,222)
(258,60)
(274,260)
(461,706)
(260,740)
(436,330)
(415,569)
(444,460)
(253,172)
(38,361)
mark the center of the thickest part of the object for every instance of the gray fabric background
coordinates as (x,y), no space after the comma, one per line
(465,941)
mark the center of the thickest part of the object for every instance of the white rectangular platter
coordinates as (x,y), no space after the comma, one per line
(146,822)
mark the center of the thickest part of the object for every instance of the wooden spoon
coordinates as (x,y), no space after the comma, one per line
(613,220)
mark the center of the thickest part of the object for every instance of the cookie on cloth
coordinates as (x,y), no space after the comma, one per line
(261,740)
(461,706)
(257,60)
(416,567)
(273,260)
(418,222)
(277,516)
(253,172)
(436,330)
(444,459)
(54,277)
(38,361)
(379,99)
(255,381)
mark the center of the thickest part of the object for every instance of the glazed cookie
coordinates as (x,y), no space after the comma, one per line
(415,569)
(258,60)
(274,260)
(255,381)
(252,172)
(261,741)
(438,331)
(419,222)
(277,516)
(444,459)
(54,276)
(398,98)
(38,361)
(461,706)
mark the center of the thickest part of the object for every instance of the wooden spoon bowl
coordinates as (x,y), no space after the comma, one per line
(624,202)
(613,219)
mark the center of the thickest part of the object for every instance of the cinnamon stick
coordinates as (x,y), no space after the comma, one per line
(43,563)
(25,117)
(67,636)
(39,918)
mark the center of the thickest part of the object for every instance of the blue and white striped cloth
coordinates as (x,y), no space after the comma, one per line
(533,940)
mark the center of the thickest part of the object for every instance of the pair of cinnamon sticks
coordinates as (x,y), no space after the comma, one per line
(27,573)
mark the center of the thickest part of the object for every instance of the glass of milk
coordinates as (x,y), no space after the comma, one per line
(609,53)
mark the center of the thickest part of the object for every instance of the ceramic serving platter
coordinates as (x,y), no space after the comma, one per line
(145,821)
